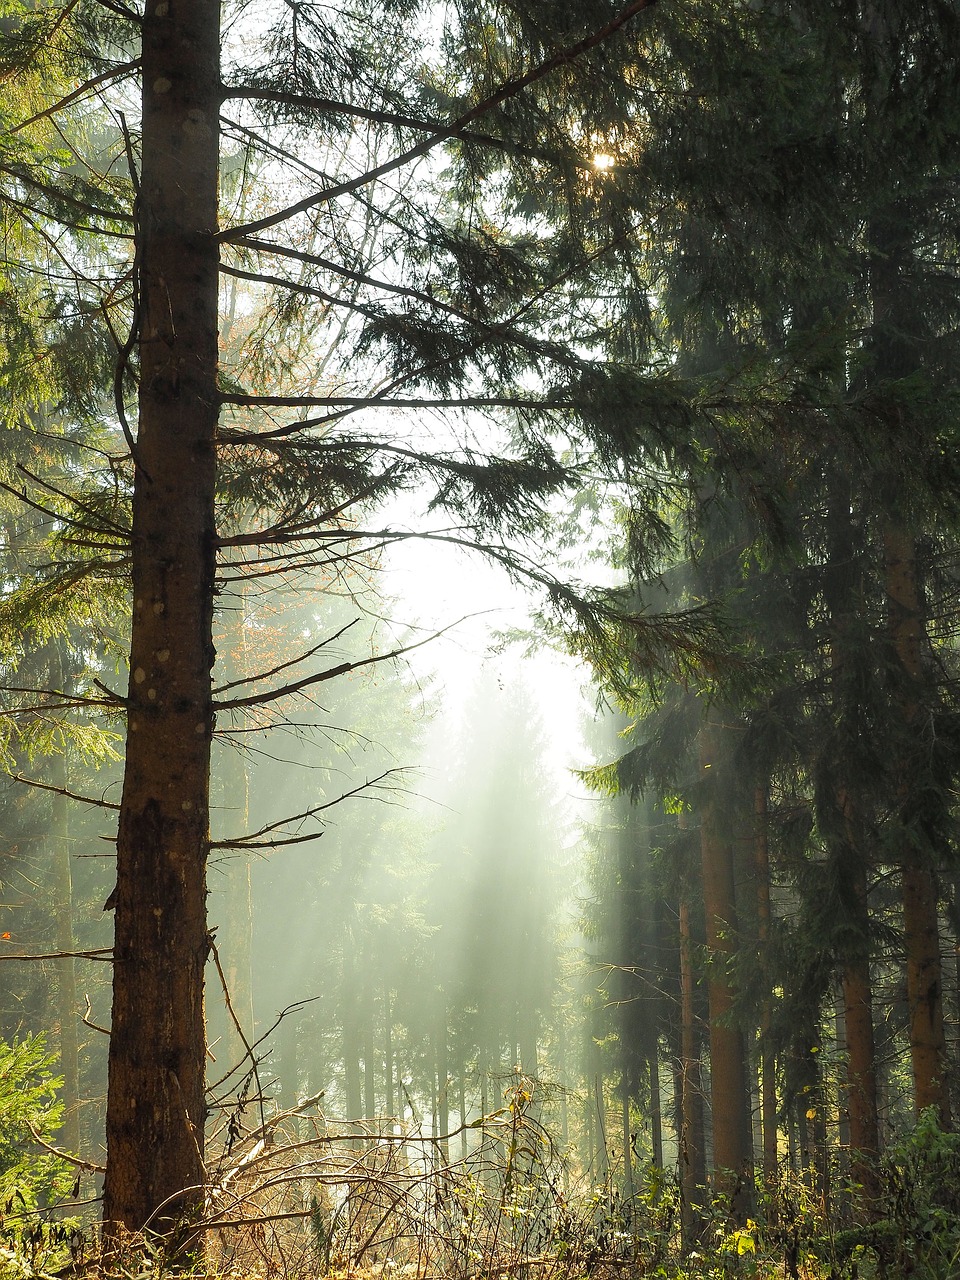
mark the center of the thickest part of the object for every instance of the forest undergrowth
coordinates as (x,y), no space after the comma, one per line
(299,1195)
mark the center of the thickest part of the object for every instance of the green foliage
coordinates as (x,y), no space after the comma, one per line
(29,1109)
(920,1235)
(31,1180)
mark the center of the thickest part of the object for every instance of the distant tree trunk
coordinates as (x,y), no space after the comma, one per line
(389,1097)
(921,924)
(443,1080)
(289,1035)
(155,1100)
(349,1017)
(627,1145)
(231,910)
(656,1115)
(861,1075)
(732,1156)
(66,965)
(527,1036)
(368,1047)
(843,592)
(768,1059)
(692,1144)
(463,1111)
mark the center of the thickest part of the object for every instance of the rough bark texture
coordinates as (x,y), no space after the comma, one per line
(155,1104)
(732,1156)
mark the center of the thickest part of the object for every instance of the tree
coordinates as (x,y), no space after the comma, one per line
(454,314)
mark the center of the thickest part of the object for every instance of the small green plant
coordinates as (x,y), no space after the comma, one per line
(32,1180)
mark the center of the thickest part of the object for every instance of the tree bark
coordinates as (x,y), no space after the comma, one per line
(732,1156)
(155,1103)
(920,918)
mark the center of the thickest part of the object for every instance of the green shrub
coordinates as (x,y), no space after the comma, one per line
(31,1180)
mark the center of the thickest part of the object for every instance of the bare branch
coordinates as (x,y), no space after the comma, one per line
(265,675)
(252,840)
(104,954)
(62,791)
(248,1049)
(64,1155)
(271,695)
(88,1021)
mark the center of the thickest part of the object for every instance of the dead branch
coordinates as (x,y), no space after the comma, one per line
(88,1022)
(62,791)
(252,840)
(342,669)
(302,657)
(64,1155)
(102,953)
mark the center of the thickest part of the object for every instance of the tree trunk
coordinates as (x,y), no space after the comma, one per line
(861,1075)
(389,1101)
(155,1100)
(656,1115)
(693,1164)
(920,919)
(768,1060)
(66,965)
(627,1143)
(732,1156)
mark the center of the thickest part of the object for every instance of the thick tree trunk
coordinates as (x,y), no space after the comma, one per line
(155,1103)
(732,1156)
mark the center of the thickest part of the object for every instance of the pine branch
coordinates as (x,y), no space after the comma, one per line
(387,402)
(358,277)
(563,57)
(88,86)
(375,115)
(121,10)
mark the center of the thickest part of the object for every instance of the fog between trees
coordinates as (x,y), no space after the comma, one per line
(662,296)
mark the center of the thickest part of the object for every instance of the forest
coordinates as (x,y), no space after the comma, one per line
(479,639)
